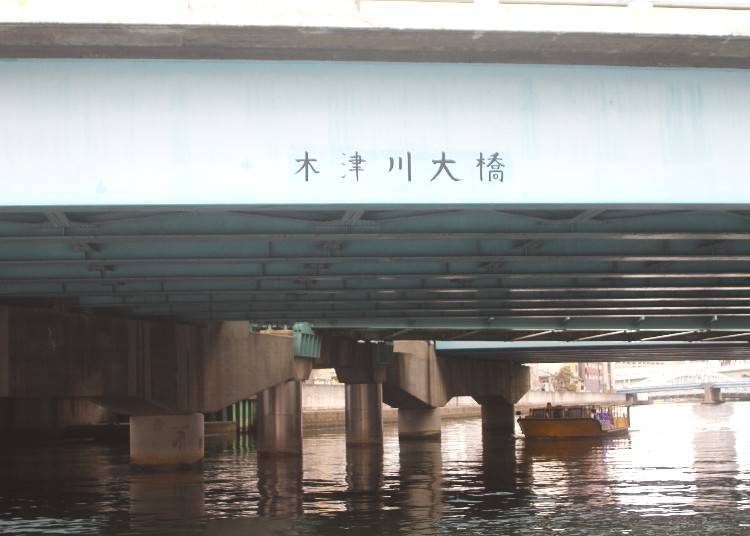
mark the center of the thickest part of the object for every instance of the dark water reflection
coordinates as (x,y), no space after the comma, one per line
(685,469)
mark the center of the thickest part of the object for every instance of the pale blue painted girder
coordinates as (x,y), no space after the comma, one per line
(229,133)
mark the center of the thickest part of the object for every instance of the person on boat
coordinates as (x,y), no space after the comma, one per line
(548,410)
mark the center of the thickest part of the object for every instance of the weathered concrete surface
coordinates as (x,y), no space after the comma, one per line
(334,417)
(488,31)
(120,432)
(486,378)
(166,439)
(319,397)
(419,383)
(497,415)
(364,414)
(418,378)
(240,364)
(711,394)
(139,367)
(323,405)
(377,44)
(279,424)
(48,416)
(354,362)
(419,423)
(415,378)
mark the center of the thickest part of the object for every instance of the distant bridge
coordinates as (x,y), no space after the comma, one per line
(589,352)
(686,382)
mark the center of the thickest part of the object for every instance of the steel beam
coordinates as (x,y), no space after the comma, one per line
(533,236)
(595,265)
(388,257)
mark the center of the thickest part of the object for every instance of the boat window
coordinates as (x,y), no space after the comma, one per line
(575,412)
(539,413)
(558,413)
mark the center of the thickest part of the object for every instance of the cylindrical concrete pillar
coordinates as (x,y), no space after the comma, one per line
(166,439)
(364,413)
(498,417)
(422,423)
(280,419)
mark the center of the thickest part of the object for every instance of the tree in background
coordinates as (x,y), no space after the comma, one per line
(565,380)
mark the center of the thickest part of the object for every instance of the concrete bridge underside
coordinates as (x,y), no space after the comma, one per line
(166,374)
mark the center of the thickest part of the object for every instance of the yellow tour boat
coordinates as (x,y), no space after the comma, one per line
(568,422)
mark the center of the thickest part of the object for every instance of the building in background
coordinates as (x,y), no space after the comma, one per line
(578,377)
(596,377)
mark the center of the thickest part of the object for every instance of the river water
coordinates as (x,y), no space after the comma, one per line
(684,469)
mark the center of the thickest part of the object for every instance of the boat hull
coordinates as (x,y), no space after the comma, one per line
(565,428)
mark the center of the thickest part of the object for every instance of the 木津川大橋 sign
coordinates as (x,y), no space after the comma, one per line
(112,132)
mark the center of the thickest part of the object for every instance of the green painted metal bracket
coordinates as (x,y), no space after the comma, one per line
(306,342)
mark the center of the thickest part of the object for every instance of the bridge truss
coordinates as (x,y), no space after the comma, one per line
(514,273)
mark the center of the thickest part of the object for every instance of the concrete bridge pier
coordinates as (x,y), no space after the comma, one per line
(419,423)
(364,414)
(419,383)
(279,425)
(165,440)
(416,386)
(498,417)
(357,366)
(711,394)
(279,418)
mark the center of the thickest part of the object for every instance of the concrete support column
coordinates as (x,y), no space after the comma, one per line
(497,416)
(166,439)
(279,424)
(421,423)
(364,413)
(711,394)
